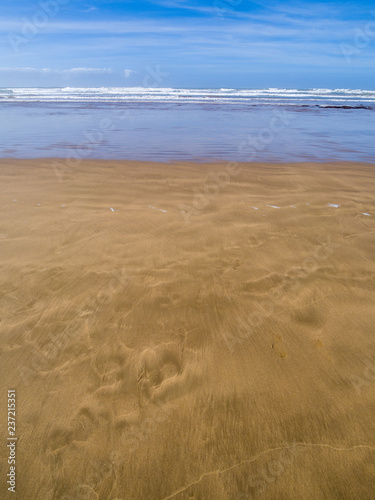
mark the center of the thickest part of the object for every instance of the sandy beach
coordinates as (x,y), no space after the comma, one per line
(188,331)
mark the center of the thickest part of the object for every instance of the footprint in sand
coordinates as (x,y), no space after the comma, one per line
(127,382)
(156,366)
(170,300)
(321,348)
(278,345)
(226,264)
(79,429)
(318,344)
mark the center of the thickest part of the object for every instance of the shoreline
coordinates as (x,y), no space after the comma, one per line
(178,161)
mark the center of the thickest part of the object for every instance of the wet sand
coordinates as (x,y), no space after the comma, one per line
(188,331)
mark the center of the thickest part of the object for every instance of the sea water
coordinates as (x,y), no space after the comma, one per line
(162,124)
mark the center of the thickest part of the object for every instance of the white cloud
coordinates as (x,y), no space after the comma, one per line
(85,70)
(128,72)
(23,70)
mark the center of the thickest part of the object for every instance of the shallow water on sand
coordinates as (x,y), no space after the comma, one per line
(167,124)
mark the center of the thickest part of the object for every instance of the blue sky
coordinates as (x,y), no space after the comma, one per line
(181,43)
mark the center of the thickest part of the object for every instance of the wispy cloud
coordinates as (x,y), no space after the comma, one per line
(58,71)
(276,25)
(90,9)
(85,70)
(174,4)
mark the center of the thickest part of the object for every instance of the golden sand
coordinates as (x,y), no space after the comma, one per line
(188,331)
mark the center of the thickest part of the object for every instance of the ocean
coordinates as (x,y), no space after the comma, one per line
(164,124)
